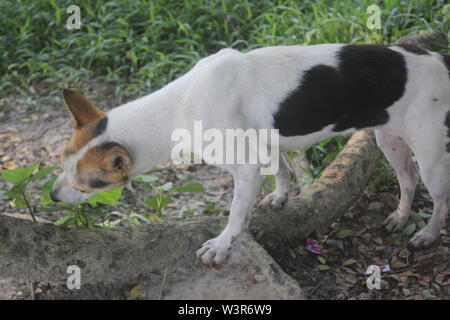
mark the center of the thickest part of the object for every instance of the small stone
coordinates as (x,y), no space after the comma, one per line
(301,251)
(378,241)
(292,253)
(260,278)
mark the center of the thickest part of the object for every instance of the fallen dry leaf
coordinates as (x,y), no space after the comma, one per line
(349,262)
(137,290)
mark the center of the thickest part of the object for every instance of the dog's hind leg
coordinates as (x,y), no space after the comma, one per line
(398,154)
(279,197)
(436,177)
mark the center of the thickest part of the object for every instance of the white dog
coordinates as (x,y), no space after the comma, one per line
(308,93)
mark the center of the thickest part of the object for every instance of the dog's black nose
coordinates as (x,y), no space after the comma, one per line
(53,197)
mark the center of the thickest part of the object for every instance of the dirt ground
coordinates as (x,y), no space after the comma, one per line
(349,247)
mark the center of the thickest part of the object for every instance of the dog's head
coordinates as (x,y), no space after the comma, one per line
(91,162)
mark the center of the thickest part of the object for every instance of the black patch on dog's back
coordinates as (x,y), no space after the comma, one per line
(446,57)
(101,126)
(413,49)
(356,94)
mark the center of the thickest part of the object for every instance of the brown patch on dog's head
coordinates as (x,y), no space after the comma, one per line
(103,167)
(89,121)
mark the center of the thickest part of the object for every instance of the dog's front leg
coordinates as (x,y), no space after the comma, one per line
(247,182)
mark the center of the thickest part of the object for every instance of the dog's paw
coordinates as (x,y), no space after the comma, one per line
(274,200)
(214,251)
(424,238)
(395,221)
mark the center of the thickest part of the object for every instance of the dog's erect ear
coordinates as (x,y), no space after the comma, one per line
(117,160)
(83,111)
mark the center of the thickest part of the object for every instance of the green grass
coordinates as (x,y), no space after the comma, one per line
(138,46)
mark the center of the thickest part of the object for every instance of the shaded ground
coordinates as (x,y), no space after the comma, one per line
(350,246)
(359,240)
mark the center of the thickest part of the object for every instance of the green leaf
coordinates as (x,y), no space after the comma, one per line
(421,224)
(324,142)
(19,202)
(321,259)
(343,233)
(190,187)
(55,209)
(211,208)
(152,202)
(330,157)
(415,217)
(108,197)
(140,217)
(46,188)
(16,191)
(323,267)
(43,173)
(308,172)
(154,217)
(409,229)
(158,203)
(349,262)
(19,175)
(66,221)
(424,215)
(165,201)
(270,178)
(68,205)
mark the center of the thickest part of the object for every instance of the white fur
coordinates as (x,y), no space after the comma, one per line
(234,90)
